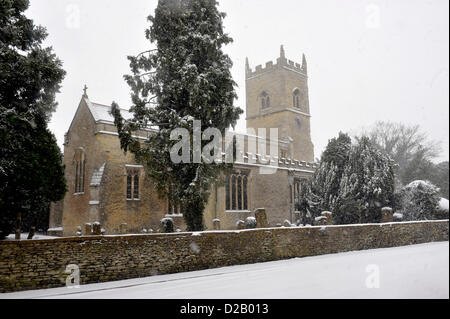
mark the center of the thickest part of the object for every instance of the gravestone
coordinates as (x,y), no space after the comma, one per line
(88,229)
(97,229)
(287,223)
(240,224)
(387,215)
(261,218)
(216,223)
(123,228)
(320,221)
(329,216)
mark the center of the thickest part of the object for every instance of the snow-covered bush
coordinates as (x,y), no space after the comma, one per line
(419,200)
(442,212)
(397,217)
(167,225)
(353,181)
(250,222)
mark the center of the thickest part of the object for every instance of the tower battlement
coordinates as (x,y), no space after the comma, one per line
(281,62)
(277,97)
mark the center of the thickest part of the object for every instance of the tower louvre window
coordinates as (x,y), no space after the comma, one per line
(296,98)
(265,100)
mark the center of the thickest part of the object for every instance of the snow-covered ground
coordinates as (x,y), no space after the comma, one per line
(24,236)
(418,271)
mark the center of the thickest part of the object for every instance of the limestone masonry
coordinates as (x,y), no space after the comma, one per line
(34,264)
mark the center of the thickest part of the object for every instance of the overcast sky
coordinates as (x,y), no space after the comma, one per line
(368,60)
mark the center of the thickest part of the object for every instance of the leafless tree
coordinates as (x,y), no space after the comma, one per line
(408,146)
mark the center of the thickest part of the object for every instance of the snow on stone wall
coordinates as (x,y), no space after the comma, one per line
(34,264)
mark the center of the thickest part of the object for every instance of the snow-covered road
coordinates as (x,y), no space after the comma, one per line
(419,271)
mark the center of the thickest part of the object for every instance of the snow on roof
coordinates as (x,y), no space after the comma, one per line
(102,112)
(443,204)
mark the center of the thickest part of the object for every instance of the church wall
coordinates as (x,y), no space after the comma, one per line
(106,203)
(116,209)
(269,191)
(80,135)
(34,264)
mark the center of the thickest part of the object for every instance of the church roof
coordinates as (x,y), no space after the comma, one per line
(102,113)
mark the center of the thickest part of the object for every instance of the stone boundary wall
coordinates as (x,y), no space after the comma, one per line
(36,264)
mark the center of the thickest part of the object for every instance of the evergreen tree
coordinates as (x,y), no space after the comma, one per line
(419,201)
(321,191)
(31,170)
(353,181)
(186,77)
(374,179)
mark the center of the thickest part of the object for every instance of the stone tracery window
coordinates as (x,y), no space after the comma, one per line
(80,168)
(132,184)
(296,98)
(236,191)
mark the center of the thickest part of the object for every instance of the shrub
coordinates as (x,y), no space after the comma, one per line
(419,200)
(442,212)
(250,222)
(167,225)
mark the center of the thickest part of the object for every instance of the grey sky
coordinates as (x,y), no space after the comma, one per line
(367,60)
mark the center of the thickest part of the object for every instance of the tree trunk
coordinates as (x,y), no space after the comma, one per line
(18,224)
(193,215)
(31,233)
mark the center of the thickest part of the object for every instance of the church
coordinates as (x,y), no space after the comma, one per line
(106,185)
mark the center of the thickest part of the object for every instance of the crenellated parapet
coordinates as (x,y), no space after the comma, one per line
(282,62)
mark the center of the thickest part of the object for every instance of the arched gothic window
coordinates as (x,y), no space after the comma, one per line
(236,192)
(296,98)
(80,168)
(132,184)
(265,100)
(296,191)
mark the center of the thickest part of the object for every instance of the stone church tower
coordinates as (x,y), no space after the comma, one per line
(277,97)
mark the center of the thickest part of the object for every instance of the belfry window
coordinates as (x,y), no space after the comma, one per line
(265,100)
(80,168)
(236,192)
(132,185)
(296,98)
